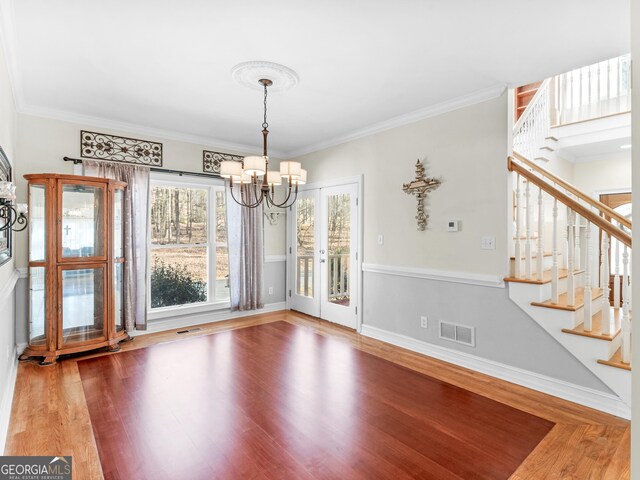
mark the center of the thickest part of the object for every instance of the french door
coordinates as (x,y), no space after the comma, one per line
(323,252)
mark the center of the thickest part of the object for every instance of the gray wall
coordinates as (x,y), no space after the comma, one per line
(504,333)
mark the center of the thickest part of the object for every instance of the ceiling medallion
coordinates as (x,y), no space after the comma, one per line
(249,74)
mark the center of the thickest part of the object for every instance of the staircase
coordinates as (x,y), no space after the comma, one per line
(566,246)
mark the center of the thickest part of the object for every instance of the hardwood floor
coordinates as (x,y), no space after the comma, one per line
(51,411)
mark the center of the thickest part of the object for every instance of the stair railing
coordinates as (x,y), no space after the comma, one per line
(534,125)
(573,230)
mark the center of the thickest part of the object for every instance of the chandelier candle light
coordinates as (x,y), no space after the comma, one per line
(254,171)
(10,215)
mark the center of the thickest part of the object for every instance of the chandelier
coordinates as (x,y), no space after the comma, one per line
(11,217)
(254,172)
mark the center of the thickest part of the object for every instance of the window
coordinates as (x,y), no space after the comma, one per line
(188,260)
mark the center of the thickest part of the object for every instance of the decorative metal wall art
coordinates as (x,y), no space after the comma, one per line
(420,187)
(211,160)
(120,149)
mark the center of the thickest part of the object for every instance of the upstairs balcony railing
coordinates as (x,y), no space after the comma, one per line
(591,92)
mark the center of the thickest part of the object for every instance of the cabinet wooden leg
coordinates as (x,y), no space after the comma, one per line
(114,348)
(48,361)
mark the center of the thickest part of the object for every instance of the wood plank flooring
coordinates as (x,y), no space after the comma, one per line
(51,411)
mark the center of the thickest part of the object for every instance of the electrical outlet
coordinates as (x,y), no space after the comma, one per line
(423,322)
(270,290)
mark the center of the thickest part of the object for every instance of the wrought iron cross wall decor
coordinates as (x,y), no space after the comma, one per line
(419,187)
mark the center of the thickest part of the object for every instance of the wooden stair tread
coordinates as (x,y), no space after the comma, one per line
(616,361)
(546,277)
(596,324)
(564,305)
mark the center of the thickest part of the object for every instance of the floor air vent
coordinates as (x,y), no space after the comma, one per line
(458,333)
(188,331)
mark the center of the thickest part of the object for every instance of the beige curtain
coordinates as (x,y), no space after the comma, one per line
(136,240)
(246,257)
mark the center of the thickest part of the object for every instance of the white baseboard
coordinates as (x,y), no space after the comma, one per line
(170,323)
(7,401)
(588,397)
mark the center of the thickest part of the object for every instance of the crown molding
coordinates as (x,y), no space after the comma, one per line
(469,99)
(133,128)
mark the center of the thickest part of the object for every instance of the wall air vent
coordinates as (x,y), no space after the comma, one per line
(458,333)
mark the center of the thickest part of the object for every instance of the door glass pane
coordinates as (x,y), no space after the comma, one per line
(118,292)
(338,243)
(82,221)
(305,245)
(118,226)
(37,235)
(37,306)
(178,276)
(82,304)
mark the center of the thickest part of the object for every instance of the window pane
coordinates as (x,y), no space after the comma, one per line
(118,293)
(222,274)
(118,223)
(178,276)
(178,215)
(82,221)
(221,219)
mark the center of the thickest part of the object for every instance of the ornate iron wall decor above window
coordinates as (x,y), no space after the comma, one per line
(12,217)
(211,160)
(254,170)
(419,187)
(120,149)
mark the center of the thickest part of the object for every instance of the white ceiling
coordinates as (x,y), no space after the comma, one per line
(165,65)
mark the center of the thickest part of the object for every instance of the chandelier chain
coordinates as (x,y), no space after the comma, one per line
(264,123)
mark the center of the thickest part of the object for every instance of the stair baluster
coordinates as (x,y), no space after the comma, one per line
(540,253)
(527,245)
(576,259)
(554,253)
(626,322)
(616,277)
(588,309)
(571,280)
(518,246)
(565,242)
(607,326)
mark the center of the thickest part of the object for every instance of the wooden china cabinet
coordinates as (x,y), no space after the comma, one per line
(76,265)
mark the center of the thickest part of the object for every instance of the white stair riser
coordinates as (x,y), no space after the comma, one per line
(595,347)
(586,350)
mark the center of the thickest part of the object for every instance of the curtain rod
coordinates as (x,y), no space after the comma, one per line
(77,161)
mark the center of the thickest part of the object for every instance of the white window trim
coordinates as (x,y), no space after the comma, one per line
(212,185)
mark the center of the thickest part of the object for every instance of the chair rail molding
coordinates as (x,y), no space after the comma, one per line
(480,279)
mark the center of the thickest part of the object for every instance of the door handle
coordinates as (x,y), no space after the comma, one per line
(322,260)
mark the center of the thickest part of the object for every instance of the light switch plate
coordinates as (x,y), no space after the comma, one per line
(488,243)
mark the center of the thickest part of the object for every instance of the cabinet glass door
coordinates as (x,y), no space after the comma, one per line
(37,306)
(82,292)
(82,223)
(37,222)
